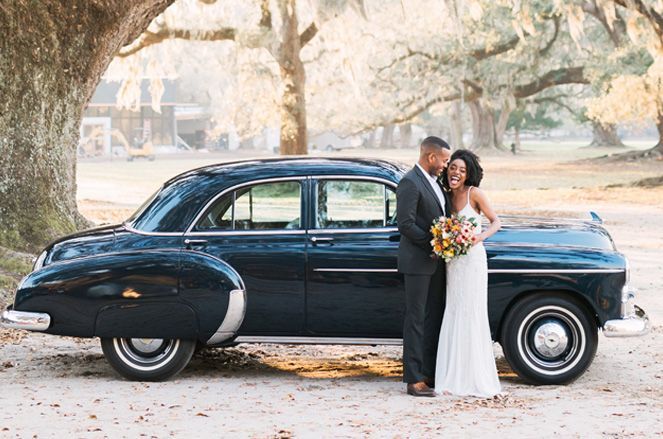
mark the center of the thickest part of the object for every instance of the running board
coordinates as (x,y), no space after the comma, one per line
(318,340)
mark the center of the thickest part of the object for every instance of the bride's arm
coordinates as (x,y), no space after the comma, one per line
(482,202)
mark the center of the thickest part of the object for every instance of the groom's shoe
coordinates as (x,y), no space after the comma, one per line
(420,389)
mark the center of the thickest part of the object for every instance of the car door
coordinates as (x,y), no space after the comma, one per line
(353,287)
(258,229)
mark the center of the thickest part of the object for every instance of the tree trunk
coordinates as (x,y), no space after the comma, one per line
(657,151)
(387,140)
(405,132)
(293,78)
(52,57)
(500,127)
(457,125)
(483,126)
(605,135)
(517,137)
(370,142)
(246,144)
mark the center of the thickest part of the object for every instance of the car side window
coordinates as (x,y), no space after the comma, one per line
(266,206)
(354,204)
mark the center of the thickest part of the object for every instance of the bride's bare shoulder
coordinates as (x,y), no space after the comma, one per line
(477,193)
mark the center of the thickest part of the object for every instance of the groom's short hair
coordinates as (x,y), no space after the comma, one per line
(434,142)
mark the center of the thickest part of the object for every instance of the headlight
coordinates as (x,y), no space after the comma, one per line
(628,301)
(40,261)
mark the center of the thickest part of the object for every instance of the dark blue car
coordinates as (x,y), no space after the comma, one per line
(304,251)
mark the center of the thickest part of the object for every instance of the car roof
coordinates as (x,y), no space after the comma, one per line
(286,166)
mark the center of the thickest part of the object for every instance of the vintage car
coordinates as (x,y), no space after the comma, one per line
(304,251)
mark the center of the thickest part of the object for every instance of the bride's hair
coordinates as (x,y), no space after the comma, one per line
(473,170)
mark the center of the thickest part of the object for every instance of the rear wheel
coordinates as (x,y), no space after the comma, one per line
(147,359)
(549,339)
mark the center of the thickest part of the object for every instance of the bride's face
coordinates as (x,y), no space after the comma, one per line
(457,174)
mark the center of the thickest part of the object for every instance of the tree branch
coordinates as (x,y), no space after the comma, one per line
(265,15)
(487,52)
(557,100)
(308,34)
(150,38)
(619,27)
(571,75)
(567,75)
(654,18)
(552,40)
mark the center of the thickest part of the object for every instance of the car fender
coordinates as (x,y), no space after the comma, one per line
(168,293)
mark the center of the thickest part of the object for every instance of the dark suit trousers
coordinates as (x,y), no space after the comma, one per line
(425,297)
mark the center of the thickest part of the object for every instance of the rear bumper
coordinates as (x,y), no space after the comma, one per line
(633,325)
(30,321)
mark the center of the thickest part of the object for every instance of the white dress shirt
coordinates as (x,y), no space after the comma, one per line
(436,187)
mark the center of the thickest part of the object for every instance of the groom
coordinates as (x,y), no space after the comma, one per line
(420,199)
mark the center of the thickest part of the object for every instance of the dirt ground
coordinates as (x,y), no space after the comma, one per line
(56,386)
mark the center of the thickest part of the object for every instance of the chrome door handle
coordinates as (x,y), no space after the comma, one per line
(195,242)
(324,240)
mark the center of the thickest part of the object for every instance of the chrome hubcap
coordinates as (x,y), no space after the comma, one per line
(146,345)
(551,340)
(147,350)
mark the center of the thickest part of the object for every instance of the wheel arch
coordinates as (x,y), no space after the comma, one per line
(216,292)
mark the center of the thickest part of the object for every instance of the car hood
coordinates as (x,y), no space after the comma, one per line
(522,230)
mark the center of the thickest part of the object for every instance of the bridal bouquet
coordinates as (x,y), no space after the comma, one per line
(452,236)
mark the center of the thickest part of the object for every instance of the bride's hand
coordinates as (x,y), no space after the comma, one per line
(477,239)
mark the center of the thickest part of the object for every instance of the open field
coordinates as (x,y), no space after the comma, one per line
(55,386)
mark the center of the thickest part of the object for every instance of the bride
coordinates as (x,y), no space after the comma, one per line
(465,361)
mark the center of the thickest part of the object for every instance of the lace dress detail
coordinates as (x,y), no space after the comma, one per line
(465,361)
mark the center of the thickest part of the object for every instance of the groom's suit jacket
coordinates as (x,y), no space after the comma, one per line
(417,207)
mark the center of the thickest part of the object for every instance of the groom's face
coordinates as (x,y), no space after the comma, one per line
(438,161)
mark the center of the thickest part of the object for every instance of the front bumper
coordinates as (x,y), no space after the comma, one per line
(30,321)
(631,325)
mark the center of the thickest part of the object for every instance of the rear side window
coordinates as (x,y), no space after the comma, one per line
(354,204)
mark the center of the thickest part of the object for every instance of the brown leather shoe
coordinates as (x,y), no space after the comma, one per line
(429,382)
(420,389)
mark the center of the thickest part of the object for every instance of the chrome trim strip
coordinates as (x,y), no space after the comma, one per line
(367,230)
(29,321)
(635,325)
(557,271)
(357,270)
(356,177)
(128,228)
(233,319)
(249,232)
(237,186)
(318,340)
(548,219)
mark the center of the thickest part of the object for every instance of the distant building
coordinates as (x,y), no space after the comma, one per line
(107,130)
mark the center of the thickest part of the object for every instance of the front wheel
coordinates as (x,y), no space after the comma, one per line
(147,359)
(549,338)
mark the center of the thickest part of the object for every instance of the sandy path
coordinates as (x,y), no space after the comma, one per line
(57,387)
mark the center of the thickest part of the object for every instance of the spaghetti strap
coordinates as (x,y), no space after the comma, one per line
(468,196)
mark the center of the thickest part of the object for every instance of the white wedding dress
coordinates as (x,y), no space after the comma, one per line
(465,360)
